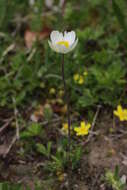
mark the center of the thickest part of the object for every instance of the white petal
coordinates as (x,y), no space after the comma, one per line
(70,37)
(53,47)
(61,48)
(56,36)
(73,45)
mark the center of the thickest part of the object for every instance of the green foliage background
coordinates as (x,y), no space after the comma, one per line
(101,51)
(27,75)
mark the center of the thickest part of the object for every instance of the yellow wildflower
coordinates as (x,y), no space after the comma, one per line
(85,73)
(65,128)
(81,80)
(61,93)
(42,85)
(121,113)
(59,101)
(52,91)
(76,77)
(61,176)
(83,129)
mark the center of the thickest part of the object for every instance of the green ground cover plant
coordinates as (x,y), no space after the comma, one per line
(33,106)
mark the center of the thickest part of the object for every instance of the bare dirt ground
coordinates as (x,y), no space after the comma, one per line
(106,150)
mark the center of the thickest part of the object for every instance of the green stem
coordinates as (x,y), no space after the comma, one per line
(69,119)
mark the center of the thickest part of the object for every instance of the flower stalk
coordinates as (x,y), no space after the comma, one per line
(68,109)
(69,121)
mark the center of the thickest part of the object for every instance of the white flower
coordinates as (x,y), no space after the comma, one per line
(63,43)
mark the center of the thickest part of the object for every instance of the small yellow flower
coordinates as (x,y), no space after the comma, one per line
(52,91)
(85,73)
(59,101)
(42,85)
(81,80)
(76,77)
(65,128)
(61,93)
(121,113)
(83,129)
(61,176)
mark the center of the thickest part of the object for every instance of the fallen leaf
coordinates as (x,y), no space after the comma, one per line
(30,37)
(37,114)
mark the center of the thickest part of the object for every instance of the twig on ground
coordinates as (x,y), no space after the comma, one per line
(10,146)
(16,137)
(31,54)
(122,133)
(53,76)
(16,120)
(96,179)
(6,124)
(54,121)
(6,51)
(93,124)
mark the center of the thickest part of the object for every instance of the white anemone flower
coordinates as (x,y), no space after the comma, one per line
(63,43)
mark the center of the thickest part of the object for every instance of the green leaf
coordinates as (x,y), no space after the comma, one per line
(27,72)
(41,149)
(76,157)
(87,99)
(49,145)
(3,7)
(33,130)
(48,113)
(116,173)
(44,150)
(20,97)
(119,14)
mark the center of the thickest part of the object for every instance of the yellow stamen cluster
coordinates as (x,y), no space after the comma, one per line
(65,43)
(121,113)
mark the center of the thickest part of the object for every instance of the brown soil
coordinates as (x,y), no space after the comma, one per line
(106,150)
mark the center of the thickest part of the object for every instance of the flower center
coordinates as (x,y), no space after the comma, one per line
(65,43)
